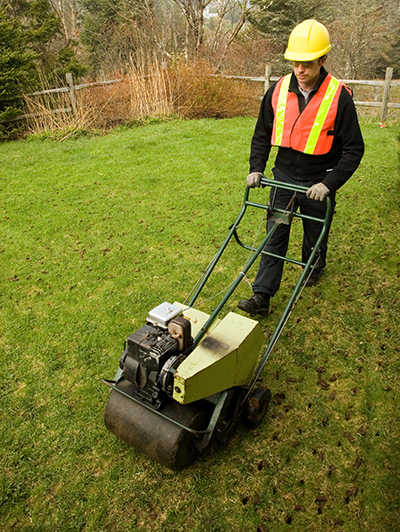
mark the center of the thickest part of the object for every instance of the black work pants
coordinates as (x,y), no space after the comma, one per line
(269,274)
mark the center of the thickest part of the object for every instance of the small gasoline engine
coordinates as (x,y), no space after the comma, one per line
(154,352)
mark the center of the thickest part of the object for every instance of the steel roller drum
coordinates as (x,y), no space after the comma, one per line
(158,438)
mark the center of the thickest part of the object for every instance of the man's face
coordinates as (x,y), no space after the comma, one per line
(307,72)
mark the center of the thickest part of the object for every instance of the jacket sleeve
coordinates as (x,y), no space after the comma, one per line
(261,141)
(347,131)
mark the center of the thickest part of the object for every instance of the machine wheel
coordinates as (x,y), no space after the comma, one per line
(229,418)
(257,406)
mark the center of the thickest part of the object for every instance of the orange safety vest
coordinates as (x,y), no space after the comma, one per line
(307,131)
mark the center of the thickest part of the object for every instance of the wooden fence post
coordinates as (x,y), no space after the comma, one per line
(267,78)
(386,93)
(70,83)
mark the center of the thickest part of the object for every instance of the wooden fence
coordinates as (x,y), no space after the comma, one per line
(386,84)
(71,89)
(384,104)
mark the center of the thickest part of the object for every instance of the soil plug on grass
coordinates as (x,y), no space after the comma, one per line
(324,385)
(349,437)
(358,463)
(349,414)
(279,397)
(351,493)
(320,500)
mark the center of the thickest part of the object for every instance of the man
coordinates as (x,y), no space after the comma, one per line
(311,117)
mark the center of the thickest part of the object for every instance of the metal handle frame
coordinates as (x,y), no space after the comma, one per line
(310,264)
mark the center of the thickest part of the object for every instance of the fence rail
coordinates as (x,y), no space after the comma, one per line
(384,104)
(70,89)
(76,87)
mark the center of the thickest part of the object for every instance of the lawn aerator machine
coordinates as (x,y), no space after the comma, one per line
(186,378)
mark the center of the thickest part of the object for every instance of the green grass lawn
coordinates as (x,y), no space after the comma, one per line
(97,231)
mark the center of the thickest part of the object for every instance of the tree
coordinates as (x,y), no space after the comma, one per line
(114,31)
(169,28)
(363,32)
(30,49)
(278,17)
(41,32)
(17,70)
(232,16)
(68,12)
(193,11)
(363,35)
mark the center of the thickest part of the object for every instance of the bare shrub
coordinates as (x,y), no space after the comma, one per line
(49,113)
(96,108)
(151,91)
(187,90)
(246,56)
(106,106)
(200,94)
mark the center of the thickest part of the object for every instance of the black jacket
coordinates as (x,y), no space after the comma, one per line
(332,169)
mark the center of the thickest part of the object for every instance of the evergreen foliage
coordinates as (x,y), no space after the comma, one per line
(40,32)
(31,47)
(276,20)
(111,31)
(17,70)
(279,17)
(364,33)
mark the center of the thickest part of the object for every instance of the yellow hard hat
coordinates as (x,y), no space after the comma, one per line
(308,41)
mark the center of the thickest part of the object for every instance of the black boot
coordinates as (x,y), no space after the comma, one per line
(257,304)
(314,277)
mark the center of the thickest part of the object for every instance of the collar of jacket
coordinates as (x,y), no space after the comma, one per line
(294,87)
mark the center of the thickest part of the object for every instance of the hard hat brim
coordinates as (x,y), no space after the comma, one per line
(302,56)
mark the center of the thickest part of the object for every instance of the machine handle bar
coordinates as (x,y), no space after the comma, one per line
(207,273)
(281,184)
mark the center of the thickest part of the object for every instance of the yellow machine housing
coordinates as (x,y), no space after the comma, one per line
(225,357)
